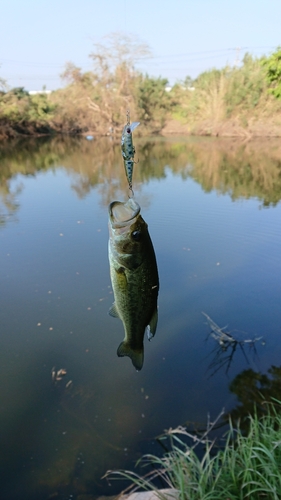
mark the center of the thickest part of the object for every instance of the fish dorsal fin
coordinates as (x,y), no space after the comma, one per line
(134,125)
(151,329)
(113,311)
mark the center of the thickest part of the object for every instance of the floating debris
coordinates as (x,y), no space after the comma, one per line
(227,342)
(57,374)
(223,338)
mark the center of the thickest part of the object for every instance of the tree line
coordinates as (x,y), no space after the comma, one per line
(217,102)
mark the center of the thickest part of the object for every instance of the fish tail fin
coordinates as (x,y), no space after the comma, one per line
(136,355)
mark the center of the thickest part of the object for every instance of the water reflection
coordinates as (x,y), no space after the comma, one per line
(8,202)
(253,390)
(243,170)
(59,438)
(227,344)
(134,277)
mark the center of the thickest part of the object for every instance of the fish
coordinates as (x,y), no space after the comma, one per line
(134,278)
(128,150)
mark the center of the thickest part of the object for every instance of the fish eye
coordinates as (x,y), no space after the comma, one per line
(128,130)
(136,235)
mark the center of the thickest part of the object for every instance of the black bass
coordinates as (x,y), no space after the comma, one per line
(128,150)
(134,277)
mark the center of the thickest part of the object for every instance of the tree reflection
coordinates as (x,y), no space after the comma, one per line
(227,344)
(254,390)
(239,169)
(8,202)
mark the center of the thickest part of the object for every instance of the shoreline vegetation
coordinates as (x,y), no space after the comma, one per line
(238,101)
(246,465)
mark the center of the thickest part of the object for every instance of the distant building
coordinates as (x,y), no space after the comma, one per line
(33,92)
(191,89)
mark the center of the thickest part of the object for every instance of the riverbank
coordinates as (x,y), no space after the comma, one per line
(234,101)
(227,128)
(248,462)
(247,127)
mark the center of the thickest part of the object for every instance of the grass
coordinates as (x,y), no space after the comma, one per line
(248,466)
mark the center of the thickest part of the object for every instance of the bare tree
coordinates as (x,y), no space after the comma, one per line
(115,70)
(103,95)
(119,49)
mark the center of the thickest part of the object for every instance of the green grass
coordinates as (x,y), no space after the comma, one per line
(248,466)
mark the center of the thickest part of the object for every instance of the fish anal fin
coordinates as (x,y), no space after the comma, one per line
(136,355)
(151,328)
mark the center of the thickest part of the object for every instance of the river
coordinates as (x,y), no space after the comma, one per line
(214,215)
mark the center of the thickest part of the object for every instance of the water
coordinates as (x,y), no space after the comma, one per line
(213,210)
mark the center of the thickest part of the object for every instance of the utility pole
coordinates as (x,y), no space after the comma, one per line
(237,57)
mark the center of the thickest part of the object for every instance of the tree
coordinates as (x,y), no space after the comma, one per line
(116,74)
(104,94)
(153,101)
(118,50)
(273,72)
(3,84)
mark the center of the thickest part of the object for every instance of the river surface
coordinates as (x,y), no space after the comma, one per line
(214,216)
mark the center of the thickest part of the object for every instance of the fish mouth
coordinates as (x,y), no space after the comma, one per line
(121,214)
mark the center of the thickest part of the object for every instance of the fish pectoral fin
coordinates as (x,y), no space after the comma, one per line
(113,311)
(151,328)
(148,333)
(136,355)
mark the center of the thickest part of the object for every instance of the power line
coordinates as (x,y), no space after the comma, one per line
(163,56)
(184,54)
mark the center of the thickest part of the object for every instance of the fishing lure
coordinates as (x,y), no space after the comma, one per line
(128,150)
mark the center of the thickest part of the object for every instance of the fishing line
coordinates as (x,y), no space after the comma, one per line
(126,68)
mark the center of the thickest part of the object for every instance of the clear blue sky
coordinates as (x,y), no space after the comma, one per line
(37,37)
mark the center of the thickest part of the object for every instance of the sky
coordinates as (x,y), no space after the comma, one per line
(38,37)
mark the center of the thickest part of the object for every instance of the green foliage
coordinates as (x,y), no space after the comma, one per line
(188,82)
(18,105)
(208,79)
(19,92)
(245,85)
(153,101)
(248,467)
(98,100)
(219,94)
(40,109)
(205,99)
(272,66)
(25,114)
